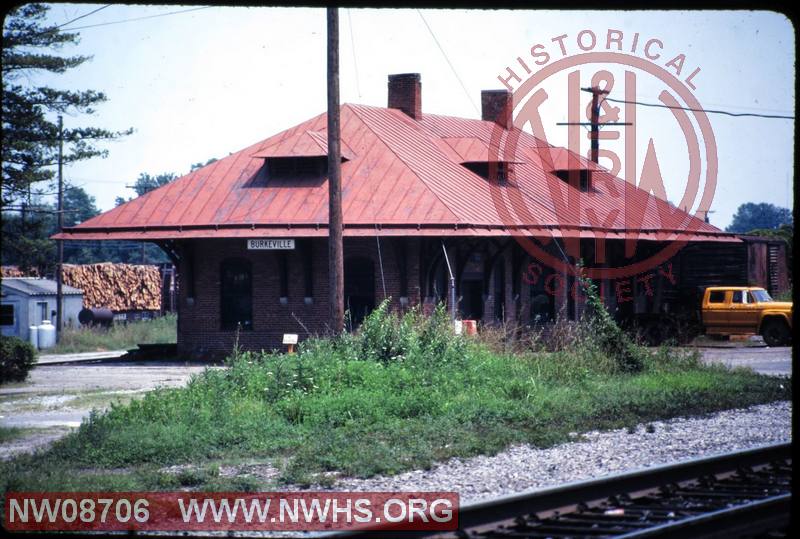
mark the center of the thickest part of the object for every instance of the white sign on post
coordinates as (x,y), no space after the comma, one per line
(290,338)
(270,244)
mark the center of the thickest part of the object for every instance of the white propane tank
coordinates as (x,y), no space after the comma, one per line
(33,336)
(47,335)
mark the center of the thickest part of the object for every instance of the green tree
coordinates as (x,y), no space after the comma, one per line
(199,165)
(79,206)
(751,216)
(25,240)
(26,234)
(30,127)
(146,183)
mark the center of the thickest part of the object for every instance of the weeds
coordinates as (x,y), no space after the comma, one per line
(8,434)
(120,336)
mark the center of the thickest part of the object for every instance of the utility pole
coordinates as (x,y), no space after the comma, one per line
(335,246)
(595,121)
(60,242)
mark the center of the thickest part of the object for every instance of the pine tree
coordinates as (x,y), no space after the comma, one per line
(30,128)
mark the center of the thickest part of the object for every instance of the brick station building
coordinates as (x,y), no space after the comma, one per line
(248,233)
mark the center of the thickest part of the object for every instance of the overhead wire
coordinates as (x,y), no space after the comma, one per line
(707,111)
(139,18)
(81,17)
(447,59)
(353,48)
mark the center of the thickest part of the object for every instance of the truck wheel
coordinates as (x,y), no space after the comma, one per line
(776,333)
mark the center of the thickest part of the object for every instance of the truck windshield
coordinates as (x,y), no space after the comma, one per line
(761,296)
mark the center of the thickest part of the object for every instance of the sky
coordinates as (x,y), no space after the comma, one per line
(208,82)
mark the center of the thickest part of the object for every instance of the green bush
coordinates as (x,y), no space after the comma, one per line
(610,338)
(17,357)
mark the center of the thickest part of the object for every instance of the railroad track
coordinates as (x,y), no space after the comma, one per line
(740,494)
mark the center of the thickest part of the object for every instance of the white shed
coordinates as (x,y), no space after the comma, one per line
(27,301)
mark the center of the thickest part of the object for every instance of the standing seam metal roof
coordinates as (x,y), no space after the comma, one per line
(398,173)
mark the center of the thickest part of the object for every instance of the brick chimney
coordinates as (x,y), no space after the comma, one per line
(496,106)
(405,93)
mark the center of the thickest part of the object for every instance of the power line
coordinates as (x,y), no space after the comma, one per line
(83,16)
(353,47)
(139,18)
(453,69)
(54,28)
(709,111)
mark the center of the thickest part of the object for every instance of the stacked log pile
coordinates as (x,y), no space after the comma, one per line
(120,287)
(14,271)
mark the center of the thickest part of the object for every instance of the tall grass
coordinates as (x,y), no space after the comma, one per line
(120,336)
(401,393)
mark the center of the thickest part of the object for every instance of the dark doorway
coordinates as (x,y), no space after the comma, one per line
(500,291)
(359,288)
(236,296)
(544,286)
(472,299)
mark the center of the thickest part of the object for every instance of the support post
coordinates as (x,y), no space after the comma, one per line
(452,285)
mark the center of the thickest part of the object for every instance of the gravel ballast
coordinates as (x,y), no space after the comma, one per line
(593,454)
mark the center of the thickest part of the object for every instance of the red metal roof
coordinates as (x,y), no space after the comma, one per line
(303,144)
(400,175)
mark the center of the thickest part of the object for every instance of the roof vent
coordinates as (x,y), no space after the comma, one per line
(497,172)
(405,93)
(578,178)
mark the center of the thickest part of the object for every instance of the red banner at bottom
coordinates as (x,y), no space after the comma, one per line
(260,511)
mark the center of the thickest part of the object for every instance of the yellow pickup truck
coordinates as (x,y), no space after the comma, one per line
(747,310)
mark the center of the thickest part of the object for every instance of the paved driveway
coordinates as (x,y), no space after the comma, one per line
(55,398)
(775,361)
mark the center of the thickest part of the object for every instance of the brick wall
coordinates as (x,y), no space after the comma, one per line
(199,332)
(199,323)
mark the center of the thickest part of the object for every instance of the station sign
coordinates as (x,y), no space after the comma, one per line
(270,244)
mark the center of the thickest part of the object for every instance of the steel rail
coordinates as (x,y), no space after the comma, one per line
(767,512)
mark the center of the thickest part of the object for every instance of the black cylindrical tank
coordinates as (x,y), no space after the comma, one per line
(96,316)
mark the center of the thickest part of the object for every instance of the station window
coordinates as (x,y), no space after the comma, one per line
(236,297)
(6,315)
(283,272)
